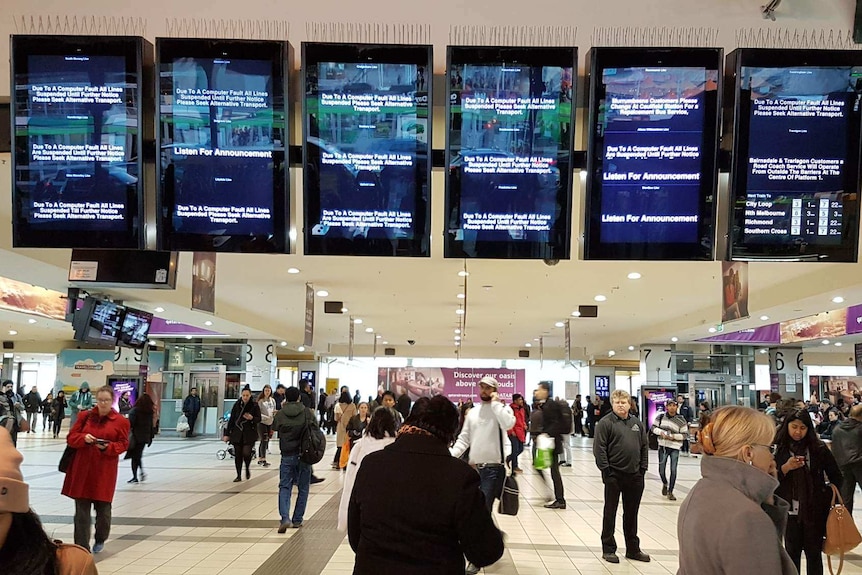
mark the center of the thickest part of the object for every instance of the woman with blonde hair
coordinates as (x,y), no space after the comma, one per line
(731,521)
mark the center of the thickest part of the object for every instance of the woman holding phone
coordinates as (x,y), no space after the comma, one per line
(802,459)
(241,431)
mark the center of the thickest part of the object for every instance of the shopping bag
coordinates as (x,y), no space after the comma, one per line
(182,424)
(345,454)
(509,498)
(544,451)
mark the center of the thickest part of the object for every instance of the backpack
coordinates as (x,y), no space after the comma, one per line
(652,438)
(312,444)
(566,415)
(536,421)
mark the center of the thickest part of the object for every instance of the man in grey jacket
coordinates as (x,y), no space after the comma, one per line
(847,449)
(622,455)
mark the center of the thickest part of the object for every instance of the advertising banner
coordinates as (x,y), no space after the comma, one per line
(121,387)
(203,281)
(767,334)
(734,291)
(19,296)
(842,387)
(822,325)
(308,340)
(854,319)
(458,384)
(654,403)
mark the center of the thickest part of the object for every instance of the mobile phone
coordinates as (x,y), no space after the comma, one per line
(102,441)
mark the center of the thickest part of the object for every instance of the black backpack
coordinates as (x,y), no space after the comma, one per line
(652,438)
(312,443)
(568,419)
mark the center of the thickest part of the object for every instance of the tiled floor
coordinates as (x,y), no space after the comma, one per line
(189,518)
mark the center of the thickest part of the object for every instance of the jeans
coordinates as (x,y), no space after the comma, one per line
(665,453)
(263,434)
(631,487)
(83,521)
(58,423)
(46,417)
(556,478)
(799,537)
(33,419)
(293,472)
(852,475)
(491,483)
(517,450)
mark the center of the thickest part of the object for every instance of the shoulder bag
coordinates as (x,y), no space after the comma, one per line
(841,533)
(509,503)
(69,453)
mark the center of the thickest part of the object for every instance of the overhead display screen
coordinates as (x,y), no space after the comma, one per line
(509,147)
(796,146)
(652,154)
(80,121)
(222,130)
(135,327)
(366,168)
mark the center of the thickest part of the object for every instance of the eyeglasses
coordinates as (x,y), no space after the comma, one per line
(105,400)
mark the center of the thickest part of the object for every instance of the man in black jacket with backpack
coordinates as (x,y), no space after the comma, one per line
(555,425)
(290,423)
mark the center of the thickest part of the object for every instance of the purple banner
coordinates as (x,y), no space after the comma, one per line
(162,327)
(854,319)
(766,334)
(461,384)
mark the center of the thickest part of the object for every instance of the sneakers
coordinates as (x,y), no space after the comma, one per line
(638,556)
(556,505)
(565,464)
(296,524)
(97,548)
(663,489)
(610,557)
(283,527)
(316,480)
(265,463)
(671,496)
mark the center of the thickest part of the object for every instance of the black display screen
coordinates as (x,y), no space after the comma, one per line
(80,115)
(366,168)
(222,130)
(135,328)
(796,145)
(509,147)
(652,154)
(102,323)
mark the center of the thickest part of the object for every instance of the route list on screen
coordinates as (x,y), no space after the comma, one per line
(79,115)
(368,124)
(797,153)
(509,137)
(651,145)
(222,139)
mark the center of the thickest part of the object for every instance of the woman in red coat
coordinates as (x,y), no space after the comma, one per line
(99,436)
(518,433)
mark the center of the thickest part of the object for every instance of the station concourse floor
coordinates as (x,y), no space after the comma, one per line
(189,518)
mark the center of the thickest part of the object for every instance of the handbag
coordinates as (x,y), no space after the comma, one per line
(509,503)
(66,459)
(841,533)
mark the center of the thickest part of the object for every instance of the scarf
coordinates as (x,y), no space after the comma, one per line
(801,484)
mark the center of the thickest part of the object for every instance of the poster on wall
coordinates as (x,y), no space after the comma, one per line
(122,386)
(734,291)
(458,384)
(655,403)
(78,366)
(839,387)
(203,281)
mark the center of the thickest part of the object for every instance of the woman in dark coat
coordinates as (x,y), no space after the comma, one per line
(433,515)
(241,431)
(802,459)
(357,424)
(141,419)
(45,408)
(58,411)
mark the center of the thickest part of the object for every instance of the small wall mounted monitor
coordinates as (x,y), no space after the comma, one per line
(135,329)
(99,322)
(222,132)
(81,113)
(652,153)
(366,148)
(510,118)
(793,120)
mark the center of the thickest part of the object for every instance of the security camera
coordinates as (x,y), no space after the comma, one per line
(411,341)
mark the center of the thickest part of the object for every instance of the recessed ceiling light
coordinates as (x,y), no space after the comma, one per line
(457,331)
(838,344)
(459,311)
(631,348)
(576,314)
(322,293)
(764,317)
(535,339)
(460,296)
(284,344)
(559,324)
(159,309)
(188,337)
(385,343)
(674,339)
(31,321)
(301,348)
(357,321)
(634,276)
(457,338)
(611,353)
(369,330)
(293,270)
(208,322)
(764,350)
(13,332)
(457,343)
(838,299)
(463,273)
(152,342)
(600,297)
(825,342)
(712,330)
(344,310)
(528,344)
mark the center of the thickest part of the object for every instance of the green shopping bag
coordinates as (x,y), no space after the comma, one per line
(544,452)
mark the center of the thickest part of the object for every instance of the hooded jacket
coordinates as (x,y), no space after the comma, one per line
(847,442)
(726,526)
(290,422)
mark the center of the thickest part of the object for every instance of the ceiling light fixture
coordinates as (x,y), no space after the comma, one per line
(600,297)
(611,353)
(31,321)
(369,330)
(159,309)
(838,344)
(559,324)
(712,330)
(634,276)
(631,348)
(322,293)
(457,338)
(293,270)
(357,321)
(838,299)
(460,296)
(188,337)
(528,344)
(284,344)
(301,348)
(764,350)
(459,311)
(457,331)
(13,332)
(825,342)
(385,343)
(344,310)
(208,322)
(576,314)
(379,337)
(463,273)
(457,343)
(764,318)
(674,339)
